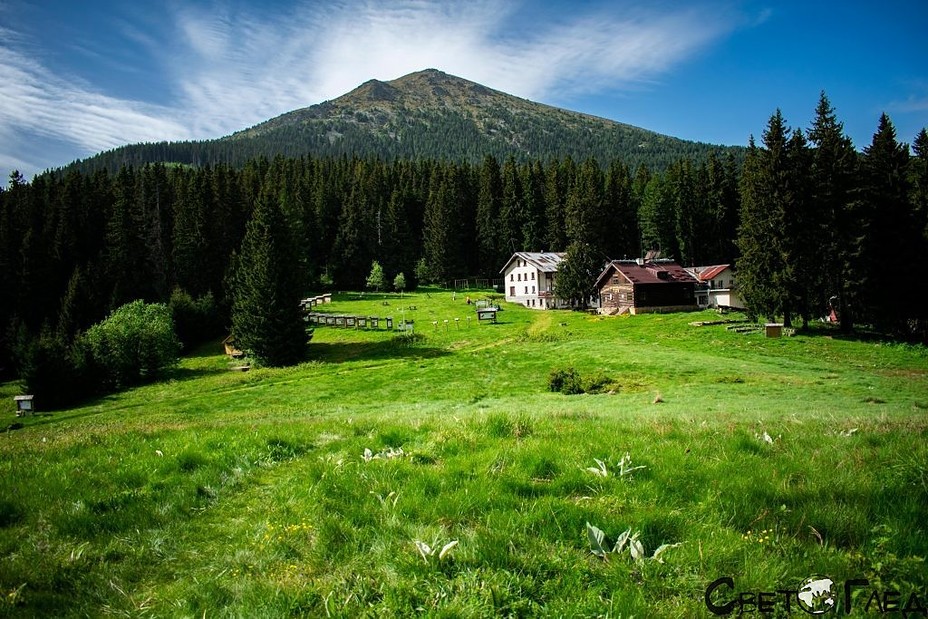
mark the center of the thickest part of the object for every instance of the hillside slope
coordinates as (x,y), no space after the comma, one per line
(428,114)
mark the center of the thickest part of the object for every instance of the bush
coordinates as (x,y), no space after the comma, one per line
(597,383)
(569,382)
(566,381)
(134,344)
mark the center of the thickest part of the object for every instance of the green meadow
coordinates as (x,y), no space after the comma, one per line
(435,473)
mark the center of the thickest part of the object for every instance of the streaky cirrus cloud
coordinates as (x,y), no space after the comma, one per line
(37,103)
(273,64)
(230,69)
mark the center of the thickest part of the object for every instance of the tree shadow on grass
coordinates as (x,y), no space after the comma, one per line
(859,334)
(397,348)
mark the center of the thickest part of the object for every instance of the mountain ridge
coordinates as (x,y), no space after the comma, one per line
(425,114)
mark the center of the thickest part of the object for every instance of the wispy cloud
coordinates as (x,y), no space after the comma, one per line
(231,69)
(35,102)
(241,69)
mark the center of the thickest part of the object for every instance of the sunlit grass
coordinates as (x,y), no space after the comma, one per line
(251,493)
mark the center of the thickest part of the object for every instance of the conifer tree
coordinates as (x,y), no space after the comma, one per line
(621,213)
(576,274)
(832,171)
(440,242)
(919,183)
(489,200)
(757,264)
(512,215)
(888,237)
(585,219)
(656,217)
(266,319)
(802,274)
(555,198)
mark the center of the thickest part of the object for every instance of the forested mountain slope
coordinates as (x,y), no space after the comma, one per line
(424,115)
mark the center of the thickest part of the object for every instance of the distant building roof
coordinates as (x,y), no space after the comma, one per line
(544,261)
(646,272)
(704,274)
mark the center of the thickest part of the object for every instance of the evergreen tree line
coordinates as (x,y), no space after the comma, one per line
(823,227)
(806,219)
(418,134)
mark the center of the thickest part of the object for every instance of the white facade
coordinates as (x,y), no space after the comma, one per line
(719,286)
(528,279)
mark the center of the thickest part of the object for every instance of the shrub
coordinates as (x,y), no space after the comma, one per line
(566,381)
(134,344)
(597,383)
(569,382)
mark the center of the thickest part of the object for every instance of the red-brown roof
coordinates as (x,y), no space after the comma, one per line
(704,274)
(647,272)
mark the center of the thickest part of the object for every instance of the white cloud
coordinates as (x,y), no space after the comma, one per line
(242,69)
(36,104)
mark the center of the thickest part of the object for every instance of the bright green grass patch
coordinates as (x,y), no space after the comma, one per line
(303,491)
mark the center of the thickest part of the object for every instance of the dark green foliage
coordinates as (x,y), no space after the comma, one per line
(576,275)
(833,178)
(566,381)
(762,273)
(890,236)
(195,320)
(266,319)
(135,344)
(48,373)
(570,382)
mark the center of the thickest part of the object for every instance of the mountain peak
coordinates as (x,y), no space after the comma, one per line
(432,114)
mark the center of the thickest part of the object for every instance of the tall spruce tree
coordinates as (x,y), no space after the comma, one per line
(656,216)
(576,274)
(801,238)
(888,240)
(556,184)
(833,170)
(489,201)
(621,213)
(440,242)
(756,264)
(266,319)
(919,183)
(585,213)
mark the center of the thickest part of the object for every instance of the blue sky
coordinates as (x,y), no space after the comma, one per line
(80,77)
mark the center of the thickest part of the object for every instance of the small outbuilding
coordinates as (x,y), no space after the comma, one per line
(645,286)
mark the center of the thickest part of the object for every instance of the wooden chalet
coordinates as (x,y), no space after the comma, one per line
(645,286)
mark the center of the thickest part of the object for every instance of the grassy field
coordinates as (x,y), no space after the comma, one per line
(339,487)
